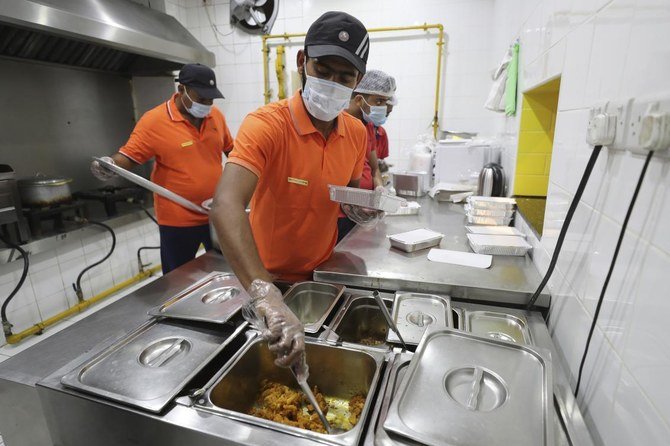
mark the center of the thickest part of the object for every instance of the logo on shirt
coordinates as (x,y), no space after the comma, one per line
(187,143)
(298,181)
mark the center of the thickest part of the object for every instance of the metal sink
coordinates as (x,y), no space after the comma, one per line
(339,372)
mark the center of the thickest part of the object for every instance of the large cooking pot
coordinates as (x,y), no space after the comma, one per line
(42,190)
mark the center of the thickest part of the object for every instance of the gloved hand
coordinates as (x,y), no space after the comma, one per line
(365,217)
(268,313)
(101,172)
(362,216)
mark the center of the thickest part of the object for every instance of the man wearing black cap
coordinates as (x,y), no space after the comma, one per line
(285,156)
(186,136)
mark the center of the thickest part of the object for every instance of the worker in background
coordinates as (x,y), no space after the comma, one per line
(370,104)
(285,156)
(187,137)
(382,146)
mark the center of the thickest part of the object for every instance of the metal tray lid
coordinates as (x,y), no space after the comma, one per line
(414,312)
(215,298)
(147,368)
(486,392)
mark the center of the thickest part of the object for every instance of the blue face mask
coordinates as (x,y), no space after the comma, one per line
(377,115)
(197,110)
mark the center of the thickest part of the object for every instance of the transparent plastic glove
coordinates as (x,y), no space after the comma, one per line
(268,313)
(100,172)
(362,216)
(365,217)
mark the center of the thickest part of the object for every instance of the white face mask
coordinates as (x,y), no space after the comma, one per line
(325,99)
(197,110)
(377,114)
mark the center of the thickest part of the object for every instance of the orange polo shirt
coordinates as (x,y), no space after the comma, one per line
(293,221)
(188,160)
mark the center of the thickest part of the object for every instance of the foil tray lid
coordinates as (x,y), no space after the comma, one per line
(485,392)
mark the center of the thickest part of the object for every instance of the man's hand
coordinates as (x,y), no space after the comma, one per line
(278,324)
(101,172)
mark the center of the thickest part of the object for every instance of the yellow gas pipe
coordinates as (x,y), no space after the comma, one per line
(39,327)
(424,27)
(280,65)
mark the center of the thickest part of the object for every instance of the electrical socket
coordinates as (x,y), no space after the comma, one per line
(642,124)
(601,130)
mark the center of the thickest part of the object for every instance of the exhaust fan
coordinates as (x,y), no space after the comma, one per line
(254,16)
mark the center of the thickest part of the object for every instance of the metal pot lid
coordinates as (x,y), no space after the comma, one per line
(486,391)
(44,180)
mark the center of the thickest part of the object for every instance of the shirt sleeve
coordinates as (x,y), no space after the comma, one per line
(361,156)
(138,147)
(253,145)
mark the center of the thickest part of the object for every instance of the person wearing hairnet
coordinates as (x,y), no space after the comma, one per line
(371,102)
(284,157)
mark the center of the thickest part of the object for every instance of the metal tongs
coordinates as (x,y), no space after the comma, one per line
(312,400)
(258,323)
(387,316)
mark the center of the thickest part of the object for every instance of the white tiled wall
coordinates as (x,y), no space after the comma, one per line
(409,56)
(48,288)
(603,49)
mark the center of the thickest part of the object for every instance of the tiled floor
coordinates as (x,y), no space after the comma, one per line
(7,351)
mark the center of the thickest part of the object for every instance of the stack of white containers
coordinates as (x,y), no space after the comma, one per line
(490,211)
(495,212)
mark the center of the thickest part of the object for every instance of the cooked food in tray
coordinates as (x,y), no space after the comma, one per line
(282,404)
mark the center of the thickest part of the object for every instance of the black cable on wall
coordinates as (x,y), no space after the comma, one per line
(611,269)
(566,224)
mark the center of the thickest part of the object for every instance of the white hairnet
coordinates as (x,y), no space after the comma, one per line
(377,82)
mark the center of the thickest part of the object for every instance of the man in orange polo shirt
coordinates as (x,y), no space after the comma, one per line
(187,137)
(285,156)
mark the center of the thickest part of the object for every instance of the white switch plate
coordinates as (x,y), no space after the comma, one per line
(630,116)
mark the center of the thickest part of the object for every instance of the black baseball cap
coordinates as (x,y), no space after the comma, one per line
(337,33)
(200,78)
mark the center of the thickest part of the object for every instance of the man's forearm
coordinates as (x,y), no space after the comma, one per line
(237,242)
(122,160)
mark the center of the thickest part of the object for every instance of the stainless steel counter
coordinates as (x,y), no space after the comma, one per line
(364,258)
(35,408)
(21,417)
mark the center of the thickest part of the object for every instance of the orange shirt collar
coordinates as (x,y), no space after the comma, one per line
(174,112)
(301,121)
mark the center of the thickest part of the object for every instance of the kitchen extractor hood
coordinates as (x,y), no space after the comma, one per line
(111,35)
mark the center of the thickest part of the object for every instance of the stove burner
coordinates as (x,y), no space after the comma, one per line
(56,213)
(109,196)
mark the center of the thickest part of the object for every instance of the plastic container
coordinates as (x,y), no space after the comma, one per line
(365,198)
(501,245)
